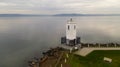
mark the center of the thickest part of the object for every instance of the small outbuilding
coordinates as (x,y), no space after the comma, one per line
(107,59)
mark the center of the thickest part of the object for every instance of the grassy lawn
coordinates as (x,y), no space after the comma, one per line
(95,59)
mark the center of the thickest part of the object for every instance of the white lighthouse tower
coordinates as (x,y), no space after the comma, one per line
(71,38)
(71,32)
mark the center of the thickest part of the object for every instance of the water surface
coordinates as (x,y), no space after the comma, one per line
(22,38)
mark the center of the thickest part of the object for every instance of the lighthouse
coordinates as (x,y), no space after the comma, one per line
(71,38)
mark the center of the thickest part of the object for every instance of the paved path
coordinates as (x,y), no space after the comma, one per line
(85,51)
(59,60)
(66,47)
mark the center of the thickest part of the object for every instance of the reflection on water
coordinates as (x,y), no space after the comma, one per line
(24,37)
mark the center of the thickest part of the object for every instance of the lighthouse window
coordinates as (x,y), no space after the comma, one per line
(68,27)
(74,27)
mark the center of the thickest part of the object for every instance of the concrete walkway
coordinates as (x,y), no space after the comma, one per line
(85,51)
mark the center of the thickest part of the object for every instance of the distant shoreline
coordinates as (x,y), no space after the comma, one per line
(61,15)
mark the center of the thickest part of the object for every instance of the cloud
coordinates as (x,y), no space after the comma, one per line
(6,4)
(60,6)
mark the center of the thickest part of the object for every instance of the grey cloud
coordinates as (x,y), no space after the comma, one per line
(60,6)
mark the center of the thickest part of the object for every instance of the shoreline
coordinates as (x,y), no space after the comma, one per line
(51,58)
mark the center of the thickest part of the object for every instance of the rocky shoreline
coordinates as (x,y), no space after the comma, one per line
(51,58)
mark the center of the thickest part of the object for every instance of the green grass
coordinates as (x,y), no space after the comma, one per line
(95,59)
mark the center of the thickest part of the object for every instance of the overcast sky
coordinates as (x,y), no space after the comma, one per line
(60,6)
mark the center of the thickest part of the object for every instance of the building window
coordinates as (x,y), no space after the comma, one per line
(68,27)
(74,27)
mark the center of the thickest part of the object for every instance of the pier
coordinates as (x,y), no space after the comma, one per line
(87,48)
(100,45)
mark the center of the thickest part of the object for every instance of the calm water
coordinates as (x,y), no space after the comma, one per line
(22,38)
